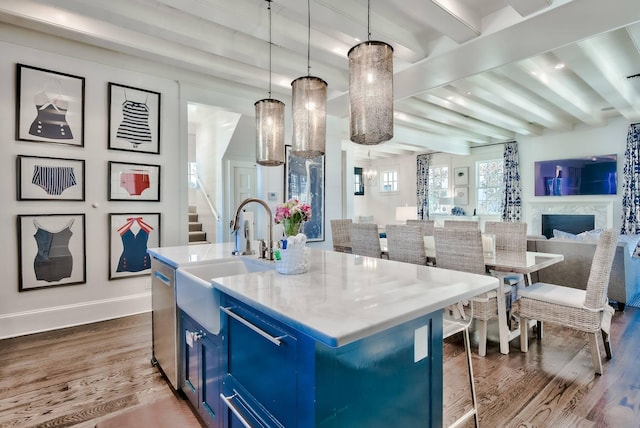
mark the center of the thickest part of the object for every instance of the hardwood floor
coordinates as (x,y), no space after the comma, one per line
(552,385)
(81,375)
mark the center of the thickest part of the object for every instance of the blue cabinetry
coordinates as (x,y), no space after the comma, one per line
(201,370)
(276,375)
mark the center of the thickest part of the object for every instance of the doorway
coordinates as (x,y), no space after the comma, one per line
(242,184)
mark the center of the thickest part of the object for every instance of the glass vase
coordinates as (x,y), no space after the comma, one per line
(292,228)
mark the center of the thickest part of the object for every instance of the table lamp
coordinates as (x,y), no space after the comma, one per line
(406,213)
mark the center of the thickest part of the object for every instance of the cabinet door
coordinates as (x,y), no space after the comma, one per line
(262,360)
(201,372)
(190,360)
(211,381)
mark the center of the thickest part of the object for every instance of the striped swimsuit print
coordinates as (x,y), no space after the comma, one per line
(53,179)
(135,123)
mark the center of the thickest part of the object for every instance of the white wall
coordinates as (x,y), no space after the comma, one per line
(582,141)
(99,298)
(382,205)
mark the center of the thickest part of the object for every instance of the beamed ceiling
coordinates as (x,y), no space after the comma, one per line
(467,72)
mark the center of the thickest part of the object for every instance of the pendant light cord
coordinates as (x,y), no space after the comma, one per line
(269,7)
(369,19)
(308,37)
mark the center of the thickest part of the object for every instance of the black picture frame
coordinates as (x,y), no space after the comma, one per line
(37,266)
(358,181)
(133,182)
(134,119)
(40,178)
(126,261)
(49,106)
(304,180)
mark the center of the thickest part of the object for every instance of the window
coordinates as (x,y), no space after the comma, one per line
(358,183)
(489,186)
(390,181)
(193,175)
(438,188)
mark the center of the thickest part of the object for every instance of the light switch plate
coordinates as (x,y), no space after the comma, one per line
(420,343)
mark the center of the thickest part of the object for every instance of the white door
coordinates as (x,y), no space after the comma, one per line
(244,181)
(244,186)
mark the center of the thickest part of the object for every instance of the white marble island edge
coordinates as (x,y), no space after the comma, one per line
(343,298)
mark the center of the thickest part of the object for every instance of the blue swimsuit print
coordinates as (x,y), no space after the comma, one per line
(53,261)
(134,257)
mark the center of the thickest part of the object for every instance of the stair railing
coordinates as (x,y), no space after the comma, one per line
(206,197)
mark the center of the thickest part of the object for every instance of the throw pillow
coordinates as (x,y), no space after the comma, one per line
(631,241)
(564,235)
(593,235)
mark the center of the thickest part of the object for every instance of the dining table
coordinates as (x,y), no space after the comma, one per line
(505,262)
(500,263)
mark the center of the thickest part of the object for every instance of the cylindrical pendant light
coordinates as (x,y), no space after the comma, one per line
(269,123)
(269,132)
(309,110)
(371,91)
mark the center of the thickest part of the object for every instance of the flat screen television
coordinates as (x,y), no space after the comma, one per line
(591,175)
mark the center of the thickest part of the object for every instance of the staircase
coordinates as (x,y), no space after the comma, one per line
(196,234)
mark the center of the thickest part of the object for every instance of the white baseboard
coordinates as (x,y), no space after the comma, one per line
(28,322)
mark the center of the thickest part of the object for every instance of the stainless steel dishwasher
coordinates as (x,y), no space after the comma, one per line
(164,320)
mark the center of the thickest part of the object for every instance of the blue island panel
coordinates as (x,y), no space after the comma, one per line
(375,382)
(372,382)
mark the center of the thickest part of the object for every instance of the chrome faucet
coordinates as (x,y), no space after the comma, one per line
(235,226)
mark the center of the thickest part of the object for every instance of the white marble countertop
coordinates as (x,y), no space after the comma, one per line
(343,298)
(192,254)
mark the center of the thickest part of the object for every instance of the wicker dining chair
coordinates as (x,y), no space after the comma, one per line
(450,244)
(509,237)
(461,224)
(584,310)
(405,243)
(340,234)
(461,249)
(426,225)
(365,239)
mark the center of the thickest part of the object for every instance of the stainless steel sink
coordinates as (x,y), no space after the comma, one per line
(196,294)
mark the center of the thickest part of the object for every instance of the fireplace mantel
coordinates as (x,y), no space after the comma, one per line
(601,209)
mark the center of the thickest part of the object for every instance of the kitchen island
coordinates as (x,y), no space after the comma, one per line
(355,341)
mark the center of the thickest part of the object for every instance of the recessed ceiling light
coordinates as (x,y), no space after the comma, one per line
(559,66)
(468,92)
(534,73)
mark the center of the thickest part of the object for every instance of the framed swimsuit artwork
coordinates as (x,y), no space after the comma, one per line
(134,119)
(134,182)
(51,250)
(49,106)
(130,235)
(44,178)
